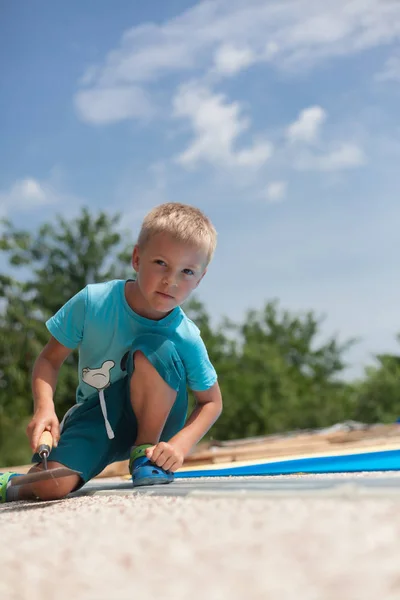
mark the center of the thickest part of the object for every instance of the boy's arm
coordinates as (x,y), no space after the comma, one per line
(44,380)
(207,410)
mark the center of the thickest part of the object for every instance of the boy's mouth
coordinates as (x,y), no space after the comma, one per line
(164,295)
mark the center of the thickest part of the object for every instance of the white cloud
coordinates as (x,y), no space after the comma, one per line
(346,156)
(333,157)
(276,191)
(216,124)
(290,35)
(255,156)
(108,105)
(30,190)
(307,127)
(391,70)
(26,194)
(230,59)
(30,194)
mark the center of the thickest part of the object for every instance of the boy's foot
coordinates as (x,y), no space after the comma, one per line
(144,472)
(4,481)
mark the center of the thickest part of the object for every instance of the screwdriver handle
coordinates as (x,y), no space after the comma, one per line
(45,443)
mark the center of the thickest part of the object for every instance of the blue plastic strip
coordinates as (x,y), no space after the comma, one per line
(386,460)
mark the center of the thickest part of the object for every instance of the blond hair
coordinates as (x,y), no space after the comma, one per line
(183,222)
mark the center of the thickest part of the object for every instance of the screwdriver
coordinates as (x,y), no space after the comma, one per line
(44,447)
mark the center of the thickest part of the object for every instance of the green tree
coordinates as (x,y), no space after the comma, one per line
(377,397)
(64,257)
(55,262)
(275,376)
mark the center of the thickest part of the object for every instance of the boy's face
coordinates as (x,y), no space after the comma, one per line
(167,272)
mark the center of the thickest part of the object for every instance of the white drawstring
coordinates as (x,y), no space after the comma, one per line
(109,430)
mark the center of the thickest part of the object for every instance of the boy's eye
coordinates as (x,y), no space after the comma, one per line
(188,271)
(160,262)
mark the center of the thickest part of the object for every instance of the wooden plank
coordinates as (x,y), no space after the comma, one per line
(270,447)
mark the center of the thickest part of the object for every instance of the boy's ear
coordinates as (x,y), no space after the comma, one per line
(135,257)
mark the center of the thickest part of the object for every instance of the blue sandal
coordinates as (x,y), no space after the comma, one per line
(144,472)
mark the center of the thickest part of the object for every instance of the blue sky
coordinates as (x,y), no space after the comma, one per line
(278,118)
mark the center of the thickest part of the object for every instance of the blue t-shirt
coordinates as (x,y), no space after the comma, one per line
(101,323)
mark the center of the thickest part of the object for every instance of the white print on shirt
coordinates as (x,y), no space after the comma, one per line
(100,380)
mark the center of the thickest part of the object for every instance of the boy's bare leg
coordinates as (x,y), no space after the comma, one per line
(51,489)
(151,398)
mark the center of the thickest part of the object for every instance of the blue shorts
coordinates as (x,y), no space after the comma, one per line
(84,444)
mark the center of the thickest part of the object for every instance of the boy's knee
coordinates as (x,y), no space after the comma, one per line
(54,489)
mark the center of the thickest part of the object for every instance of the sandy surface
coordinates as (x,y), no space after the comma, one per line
(131,546)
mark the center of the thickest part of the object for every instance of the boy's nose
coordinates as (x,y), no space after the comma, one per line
(169,283)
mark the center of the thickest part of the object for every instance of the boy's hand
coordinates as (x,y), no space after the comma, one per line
(166,456)
(44,420)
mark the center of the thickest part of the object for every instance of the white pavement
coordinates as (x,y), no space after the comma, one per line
(339,484)
(124,545)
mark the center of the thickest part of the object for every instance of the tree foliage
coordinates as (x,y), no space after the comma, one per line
(378,395)
(45,269)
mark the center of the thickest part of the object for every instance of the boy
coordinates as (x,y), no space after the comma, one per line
(137,353)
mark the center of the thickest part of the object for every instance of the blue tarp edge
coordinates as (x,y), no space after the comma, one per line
(386,460)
